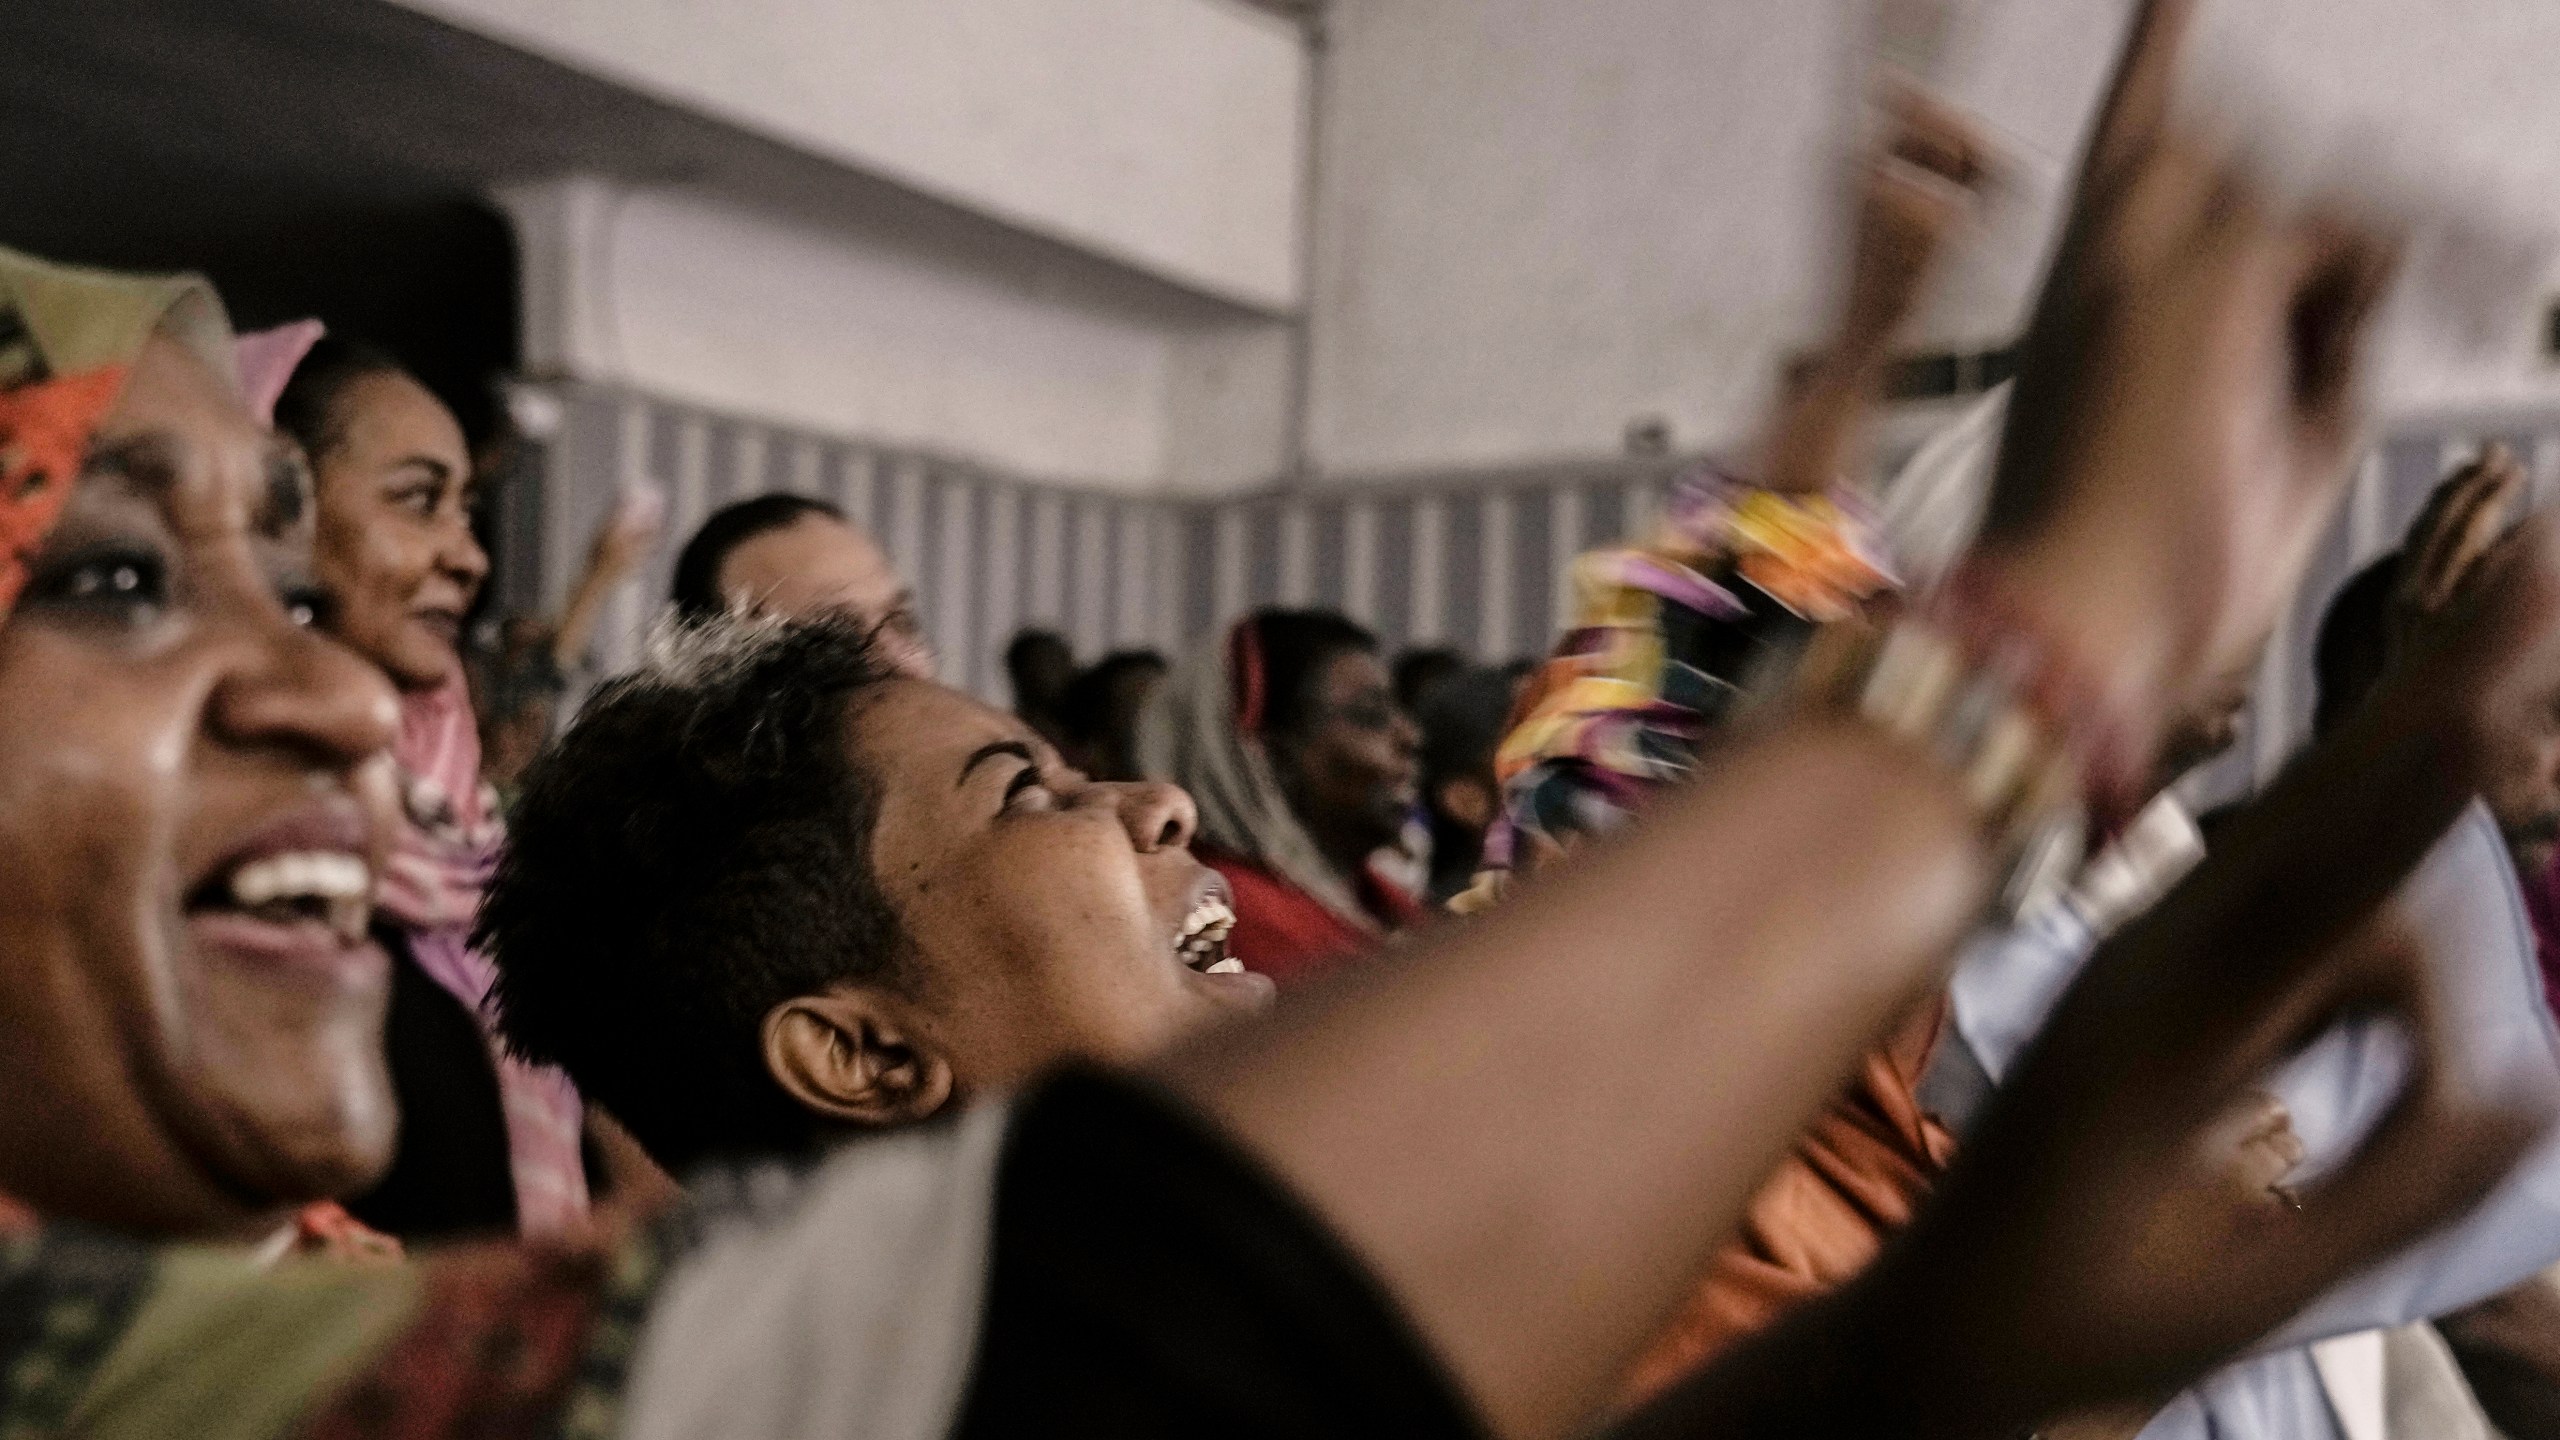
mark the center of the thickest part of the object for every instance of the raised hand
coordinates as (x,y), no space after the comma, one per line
(1920,190)
(2090,1184)
(2186,398)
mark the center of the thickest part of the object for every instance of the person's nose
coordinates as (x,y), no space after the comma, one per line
(1159,816)
(298,690)
(461,557)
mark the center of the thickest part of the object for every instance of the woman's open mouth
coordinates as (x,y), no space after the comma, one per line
(1201,942)
(299,895)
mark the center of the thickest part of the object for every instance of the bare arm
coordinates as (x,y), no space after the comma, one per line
(1914,197)
(2082,1251)
(623,542)
(1591,1081)
(1536,1129)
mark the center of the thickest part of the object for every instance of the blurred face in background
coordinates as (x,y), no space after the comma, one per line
(195,797)
(1348,761)
(395,549)
(818,563)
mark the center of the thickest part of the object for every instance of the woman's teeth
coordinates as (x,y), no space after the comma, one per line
(310,885)
(1201,943)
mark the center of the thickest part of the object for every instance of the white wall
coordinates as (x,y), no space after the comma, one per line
(1539,219)
(1011,361)
(1166,134)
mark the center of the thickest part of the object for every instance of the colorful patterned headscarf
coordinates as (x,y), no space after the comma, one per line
(68,339)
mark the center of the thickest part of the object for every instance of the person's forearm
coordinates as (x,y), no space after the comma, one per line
(579,619)
(1599,1074)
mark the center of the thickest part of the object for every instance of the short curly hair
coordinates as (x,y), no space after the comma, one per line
(693,852)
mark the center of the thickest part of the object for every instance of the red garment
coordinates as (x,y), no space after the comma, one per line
(1285,933)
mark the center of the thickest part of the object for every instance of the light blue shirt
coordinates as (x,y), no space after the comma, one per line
(2464,903)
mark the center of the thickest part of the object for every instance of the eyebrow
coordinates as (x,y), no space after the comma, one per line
(148,462)
(991,750)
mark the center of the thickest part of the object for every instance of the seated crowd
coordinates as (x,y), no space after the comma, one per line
(1819,1037)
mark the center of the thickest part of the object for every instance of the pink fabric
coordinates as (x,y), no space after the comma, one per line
(432,888)
(266,360)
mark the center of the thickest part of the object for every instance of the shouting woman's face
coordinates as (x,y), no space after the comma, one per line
(195,796)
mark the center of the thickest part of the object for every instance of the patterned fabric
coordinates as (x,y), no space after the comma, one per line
(508,1342)
(66,1297)
(432,888)
(68,337)
(1665,635)
(109,1338)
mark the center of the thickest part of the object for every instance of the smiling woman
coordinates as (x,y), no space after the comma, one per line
(193,796)
(488,1142)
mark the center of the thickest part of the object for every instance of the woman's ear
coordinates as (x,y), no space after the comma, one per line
(851,1056)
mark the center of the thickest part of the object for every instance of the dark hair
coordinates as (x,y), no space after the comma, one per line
(1085,711)
(1296,646)
(2347,659)
(308,408)
(697,581)
(693,852)
(1028,644)
(1463,721)
(1419,672)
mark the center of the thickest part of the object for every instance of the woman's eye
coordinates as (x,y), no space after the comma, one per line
(129,587)
(1026,792)
(419,500)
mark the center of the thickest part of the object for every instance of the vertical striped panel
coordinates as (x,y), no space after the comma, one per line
(1262,554)
(962,577)
(1200,576)
(1000,590)
(1360,562)
(1427,621)
(1093,561)
(690,475)
(1494,609)
(1564,541)
(1297,554)
(1463,583)
(751,449)
(1487,570)
(1173,580)
(860,496)
(1133,573)
(1047,604)
(906,517)
(1227,566)
(808,460)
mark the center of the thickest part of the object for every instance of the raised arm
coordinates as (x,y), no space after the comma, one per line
(1537,1128)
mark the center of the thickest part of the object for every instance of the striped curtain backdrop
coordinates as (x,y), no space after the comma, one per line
(1474,562)
(1477,562)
